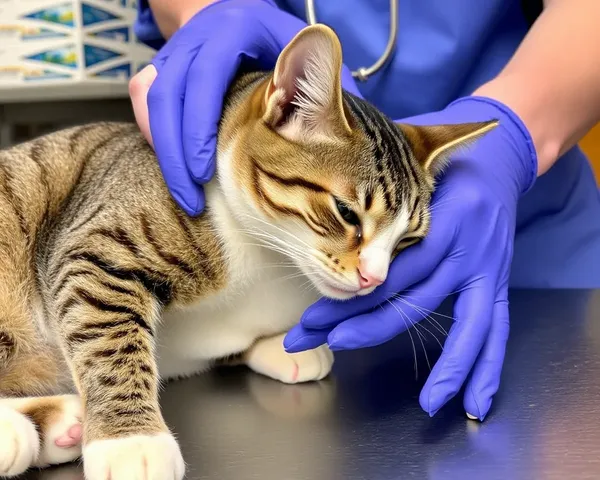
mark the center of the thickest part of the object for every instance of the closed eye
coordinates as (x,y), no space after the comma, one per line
(347,213)
(350,217)
(407,241)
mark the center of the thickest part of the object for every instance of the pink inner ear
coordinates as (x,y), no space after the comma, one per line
(292,69)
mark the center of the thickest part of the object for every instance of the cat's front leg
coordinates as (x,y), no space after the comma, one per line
(108,330)
(268,357)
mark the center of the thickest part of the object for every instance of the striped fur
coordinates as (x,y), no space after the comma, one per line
(106,286)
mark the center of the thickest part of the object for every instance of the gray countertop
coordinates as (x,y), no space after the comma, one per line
(364,422)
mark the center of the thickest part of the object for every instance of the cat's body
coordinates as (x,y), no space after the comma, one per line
(107,287)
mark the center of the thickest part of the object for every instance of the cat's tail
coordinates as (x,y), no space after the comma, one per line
(38,431)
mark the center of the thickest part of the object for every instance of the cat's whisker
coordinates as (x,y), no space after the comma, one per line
(429,332)
(271,240)
(295,275)
(421,337)
(316,253)
(410,304)
(252,217)
(424,315)
(409,334)
(441,203)
(435,324)
(291,254)
(273,247)
(404,292)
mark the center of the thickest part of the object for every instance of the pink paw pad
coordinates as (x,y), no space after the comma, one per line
(70,439)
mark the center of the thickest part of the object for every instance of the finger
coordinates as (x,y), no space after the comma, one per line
(473,317)
(299,339)
(205,91)
(409,268)
(485,379)
(138,92)
(397,314)
(165,106)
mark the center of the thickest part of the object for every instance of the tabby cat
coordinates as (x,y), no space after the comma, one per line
(107,286)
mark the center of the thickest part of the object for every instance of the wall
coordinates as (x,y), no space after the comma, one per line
(591,145)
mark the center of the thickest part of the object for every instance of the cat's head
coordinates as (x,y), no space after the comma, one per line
(326,177)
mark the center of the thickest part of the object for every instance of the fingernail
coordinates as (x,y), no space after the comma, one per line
(293,347)
(297,344)
(337,345)
(473,417)
(333,342)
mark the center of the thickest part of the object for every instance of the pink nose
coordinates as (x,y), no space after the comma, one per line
(365,280)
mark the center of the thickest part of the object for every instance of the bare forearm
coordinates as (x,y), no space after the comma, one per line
(553,80)
(172,14)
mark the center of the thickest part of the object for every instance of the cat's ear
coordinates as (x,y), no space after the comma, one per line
(432,145)
(304,96)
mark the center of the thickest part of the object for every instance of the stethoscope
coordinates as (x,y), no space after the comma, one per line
(363,73)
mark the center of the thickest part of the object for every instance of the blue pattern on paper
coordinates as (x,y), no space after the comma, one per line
(94,55)
(61,14)
(92,15)
(120,34)
(61,56)
(120,71)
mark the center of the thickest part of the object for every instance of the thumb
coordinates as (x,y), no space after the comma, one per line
(138,92)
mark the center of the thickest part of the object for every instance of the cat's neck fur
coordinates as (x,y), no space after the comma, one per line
(232,215)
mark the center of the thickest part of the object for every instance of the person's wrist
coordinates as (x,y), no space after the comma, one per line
(508,89)
(515,138)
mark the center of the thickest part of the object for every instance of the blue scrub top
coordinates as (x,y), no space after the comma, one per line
(445,50)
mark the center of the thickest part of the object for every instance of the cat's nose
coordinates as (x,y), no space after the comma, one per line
(367,280)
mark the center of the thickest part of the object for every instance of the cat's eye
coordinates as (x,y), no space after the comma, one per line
(406,242)
(347,213)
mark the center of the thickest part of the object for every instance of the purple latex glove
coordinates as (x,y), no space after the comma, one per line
(195,68)
(468,251)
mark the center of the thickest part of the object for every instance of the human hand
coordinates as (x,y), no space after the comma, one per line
(467,251)
(178,99)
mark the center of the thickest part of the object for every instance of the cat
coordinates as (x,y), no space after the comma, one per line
(107,287)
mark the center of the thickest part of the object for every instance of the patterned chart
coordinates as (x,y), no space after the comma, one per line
(46,41)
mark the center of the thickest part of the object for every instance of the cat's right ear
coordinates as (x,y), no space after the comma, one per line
(304,97)
(432,145)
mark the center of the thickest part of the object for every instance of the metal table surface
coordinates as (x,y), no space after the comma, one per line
(364,422)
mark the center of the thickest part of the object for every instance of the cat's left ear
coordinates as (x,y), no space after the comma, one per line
(433,145)
(304,96)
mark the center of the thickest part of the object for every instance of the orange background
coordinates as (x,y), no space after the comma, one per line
(591,145)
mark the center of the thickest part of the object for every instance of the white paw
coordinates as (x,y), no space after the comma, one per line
(141,457)
(269,358)
(19,442)
(62,438)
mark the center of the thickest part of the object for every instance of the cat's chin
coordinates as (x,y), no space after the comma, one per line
(334,290)
(335,293)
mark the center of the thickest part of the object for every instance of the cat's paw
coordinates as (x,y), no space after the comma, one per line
(140,457)
(62,433)
(268,357)
(19,442)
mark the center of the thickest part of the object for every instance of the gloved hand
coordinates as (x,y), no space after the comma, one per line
(195,68)
(468,250)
